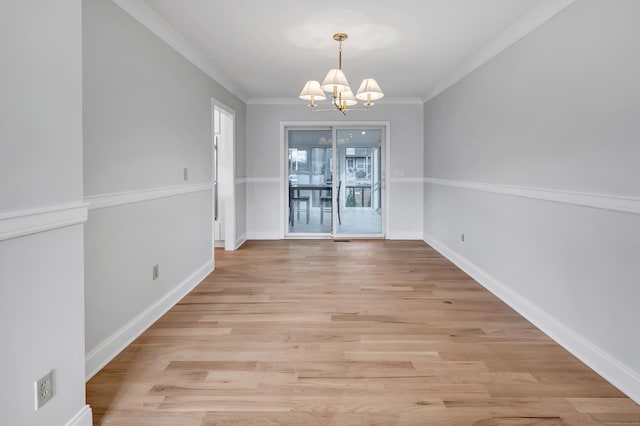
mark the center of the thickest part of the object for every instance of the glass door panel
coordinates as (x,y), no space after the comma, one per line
(310,161)
(358,202)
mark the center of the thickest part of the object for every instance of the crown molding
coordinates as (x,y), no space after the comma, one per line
(143,13)
(296,101)
(537,16)
(274,101)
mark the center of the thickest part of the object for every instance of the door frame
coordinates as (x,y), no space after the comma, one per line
(229,179)
(284,177)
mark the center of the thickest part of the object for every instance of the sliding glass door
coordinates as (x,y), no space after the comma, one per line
(334,182)
(359,172)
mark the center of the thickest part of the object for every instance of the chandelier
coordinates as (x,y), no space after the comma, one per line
(337,84)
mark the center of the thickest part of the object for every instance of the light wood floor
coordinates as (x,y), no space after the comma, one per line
(346,333)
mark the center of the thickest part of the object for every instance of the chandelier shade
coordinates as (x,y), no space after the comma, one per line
(336,83)
(369,90)
(312,91)
(335,79)
(348,99)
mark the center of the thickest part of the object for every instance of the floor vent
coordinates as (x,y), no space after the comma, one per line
(341,240)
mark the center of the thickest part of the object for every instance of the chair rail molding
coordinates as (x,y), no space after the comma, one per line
(259,180)
(598,201)
(116,199)
(405,179)
(25,222)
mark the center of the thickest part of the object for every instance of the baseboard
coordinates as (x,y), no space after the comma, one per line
(114,344)
(240,241)
(404,235)
(613,370)
(264,236)
(278,236)
(82,418)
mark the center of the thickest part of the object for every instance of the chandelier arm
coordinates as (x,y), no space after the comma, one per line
(344,110)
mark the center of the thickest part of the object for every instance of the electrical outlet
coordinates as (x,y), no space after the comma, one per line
(156,271)
(462,237)
(185,172)
(44,390)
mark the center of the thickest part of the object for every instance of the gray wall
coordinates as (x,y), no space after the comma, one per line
(263,163)
(147,116)
(556,112)
(41,269)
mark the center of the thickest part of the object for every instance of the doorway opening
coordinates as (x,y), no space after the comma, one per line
(223,176)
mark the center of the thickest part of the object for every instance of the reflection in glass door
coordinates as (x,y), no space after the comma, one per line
(358,203)
(310,161)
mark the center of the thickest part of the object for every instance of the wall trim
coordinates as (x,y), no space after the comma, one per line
(114,344)
(82,418)
(598,201)
(25,222)
(613,370)
(264,236)
(119,198)
(295,101)
(407,179)
(240,241)
(259,180)
(145,15)
(537,16)
(404,235)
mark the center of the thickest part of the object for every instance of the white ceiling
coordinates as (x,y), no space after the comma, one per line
(268,49)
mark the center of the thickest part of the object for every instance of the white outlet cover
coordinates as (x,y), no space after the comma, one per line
(44,390)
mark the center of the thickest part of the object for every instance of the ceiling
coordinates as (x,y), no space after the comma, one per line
(261,49)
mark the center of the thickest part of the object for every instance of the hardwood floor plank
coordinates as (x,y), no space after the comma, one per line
(367,332)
